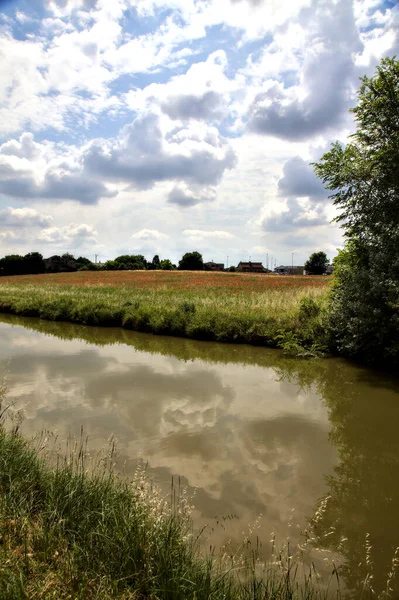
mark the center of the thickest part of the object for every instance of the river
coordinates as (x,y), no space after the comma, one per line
(258,439)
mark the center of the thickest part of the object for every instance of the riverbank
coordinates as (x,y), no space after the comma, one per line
(253,309)
(72,531)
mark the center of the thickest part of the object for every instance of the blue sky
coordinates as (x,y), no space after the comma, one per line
(165,126)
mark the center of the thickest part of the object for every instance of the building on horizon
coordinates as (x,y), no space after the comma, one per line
(251,267)
(290,270)
(212,266)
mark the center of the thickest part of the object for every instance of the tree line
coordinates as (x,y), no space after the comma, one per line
(34,263)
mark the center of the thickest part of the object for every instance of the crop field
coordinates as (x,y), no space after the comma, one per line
(193,281)
(225,307)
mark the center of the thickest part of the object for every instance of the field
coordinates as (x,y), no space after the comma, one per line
(228,307)
(175,280)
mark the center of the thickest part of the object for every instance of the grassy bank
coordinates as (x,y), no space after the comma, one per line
(253,309)
(67,531)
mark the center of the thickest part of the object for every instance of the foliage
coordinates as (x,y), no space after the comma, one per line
(166,265)
(232,269)
(61,264)
(156,263)
(191,261)
(34,263)
(86,264)
(14,264)
(364,179)
(317,263)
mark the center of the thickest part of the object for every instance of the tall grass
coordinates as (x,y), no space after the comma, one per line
(267,318)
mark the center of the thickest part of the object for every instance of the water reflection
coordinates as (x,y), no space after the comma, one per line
(253,432)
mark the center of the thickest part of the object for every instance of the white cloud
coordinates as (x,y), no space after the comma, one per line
(142,108)
(200,234)
(23,217)
(149,234)
(144,154)
(73,235)
(9,236)
(203,92)
(24,148)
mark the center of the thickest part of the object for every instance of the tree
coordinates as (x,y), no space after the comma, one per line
(191,261)
(156,263)
(61,264)
(13,264)
(133,262)
(166,265)
(34,263)
(109,265)
(364,179)
(317,263)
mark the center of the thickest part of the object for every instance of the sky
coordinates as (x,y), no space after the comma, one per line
(168,126)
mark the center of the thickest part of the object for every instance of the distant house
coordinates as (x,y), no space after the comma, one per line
(212,266)
(289,270)
(250,267)
(329,269)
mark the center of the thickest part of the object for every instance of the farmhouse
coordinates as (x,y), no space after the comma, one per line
(212,266)
(250,267)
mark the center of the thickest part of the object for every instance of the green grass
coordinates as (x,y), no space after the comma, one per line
(291,318)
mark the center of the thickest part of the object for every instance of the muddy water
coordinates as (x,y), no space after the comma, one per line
(250,432)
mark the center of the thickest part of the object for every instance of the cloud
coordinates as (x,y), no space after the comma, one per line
(143,153)
(57,184)
(143,156)
(252,2)
(24,148)
(73,235)
(149,234)
(152,99)
(10,237)
(299,180)
(327,79)
(296,215)
(184,197)
(202,93)
(24,217)
(200,234)
(304,203)
(208,106)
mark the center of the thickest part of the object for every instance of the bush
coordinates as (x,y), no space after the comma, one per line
(308,309)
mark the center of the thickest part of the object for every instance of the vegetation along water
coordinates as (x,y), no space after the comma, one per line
(261,309)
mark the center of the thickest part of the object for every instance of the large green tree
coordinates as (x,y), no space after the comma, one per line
(166,265)
(317,263)
(191,261)
(364,179)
